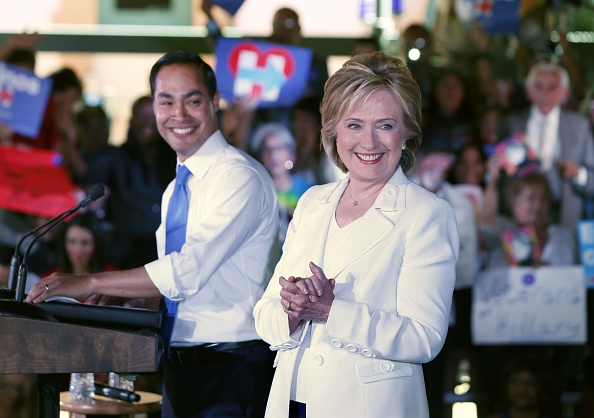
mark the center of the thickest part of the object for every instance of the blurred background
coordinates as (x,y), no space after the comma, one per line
(112,44)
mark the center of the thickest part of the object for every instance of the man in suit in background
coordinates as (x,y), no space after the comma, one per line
(561,139)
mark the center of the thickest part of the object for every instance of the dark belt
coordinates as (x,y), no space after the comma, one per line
(213,352)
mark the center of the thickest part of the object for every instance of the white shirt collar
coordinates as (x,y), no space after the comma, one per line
(552,115)
(200,161)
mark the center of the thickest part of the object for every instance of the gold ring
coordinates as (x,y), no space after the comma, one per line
(288,306)
(46,286)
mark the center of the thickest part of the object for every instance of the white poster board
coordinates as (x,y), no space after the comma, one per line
(523,305)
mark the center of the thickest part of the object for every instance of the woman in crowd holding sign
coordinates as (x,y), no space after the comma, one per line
(362,294)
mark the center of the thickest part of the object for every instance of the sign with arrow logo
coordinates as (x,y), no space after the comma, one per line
(276,74)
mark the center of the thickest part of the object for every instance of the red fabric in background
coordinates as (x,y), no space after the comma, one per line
(33,182)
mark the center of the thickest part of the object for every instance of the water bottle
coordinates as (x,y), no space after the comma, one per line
(82,387)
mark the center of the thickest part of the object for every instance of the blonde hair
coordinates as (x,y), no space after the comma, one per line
(359,78)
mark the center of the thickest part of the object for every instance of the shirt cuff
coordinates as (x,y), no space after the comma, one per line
(294,340)
(158,270)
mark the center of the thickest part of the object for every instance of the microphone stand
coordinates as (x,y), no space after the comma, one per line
(15,260)
(24,268)
(18,279)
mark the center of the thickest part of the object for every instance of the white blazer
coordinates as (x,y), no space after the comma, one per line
(394,284)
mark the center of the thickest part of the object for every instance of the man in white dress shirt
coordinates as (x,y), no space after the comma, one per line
(562,140)
(218,366)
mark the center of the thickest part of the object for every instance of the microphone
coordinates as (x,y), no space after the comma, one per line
(115,393)
(15,261)
(19,279)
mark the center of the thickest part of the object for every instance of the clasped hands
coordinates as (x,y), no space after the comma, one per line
(307,298)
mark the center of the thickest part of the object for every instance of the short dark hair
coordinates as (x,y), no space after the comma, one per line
(310,105)
(65,78)
(185,58)
(25,57)
(138,103)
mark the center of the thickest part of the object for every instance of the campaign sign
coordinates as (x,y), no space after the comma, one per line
(230,6)
(34,182)
(23,98)
(518,159)
(276,74)
(494,16)
(585,232)
(498,16)
(368,9)
(523,305)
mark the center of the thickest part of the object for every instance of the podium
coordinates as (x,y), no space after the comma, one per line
(48,349)
(43,347)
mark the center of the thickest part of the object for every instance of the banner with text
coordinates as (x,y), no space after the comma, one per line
(23,99)
(523,305)
(34,182)
(275,74)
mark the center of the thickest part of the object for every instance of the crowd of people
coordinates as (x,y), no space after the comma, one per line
(389,186)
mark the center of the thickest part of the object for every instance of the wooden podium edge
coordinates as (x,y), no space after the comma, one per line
(44,347)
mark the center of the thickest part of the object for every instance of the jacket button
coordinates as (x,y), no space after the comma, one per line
(391,192)
(367,352)
(386,367)
(319,360)
(352,348)
(337,343)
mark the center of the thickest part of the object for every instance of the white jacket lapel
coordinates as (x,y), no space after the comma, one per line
(367,233)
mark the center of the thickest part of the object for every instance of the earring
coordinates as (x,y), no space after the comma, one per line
(403,147)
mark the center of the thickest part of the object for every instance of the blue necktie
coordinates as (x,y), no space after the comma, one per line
(175,237)
(177,213)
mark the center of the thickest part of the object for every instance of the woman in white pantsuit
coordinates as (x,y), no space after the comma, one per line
(362,294)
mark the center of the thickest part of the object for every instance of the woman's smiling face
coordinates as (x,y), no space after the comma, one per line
(370,138)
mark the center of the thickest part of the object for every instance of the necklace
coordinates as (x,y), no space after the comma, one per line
(356,202)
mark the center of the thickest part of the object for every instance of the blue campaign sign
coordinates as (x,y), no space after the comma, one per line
(276,74)
(23,98)
(396,7)
(494,16)
(230,6)
(498,16)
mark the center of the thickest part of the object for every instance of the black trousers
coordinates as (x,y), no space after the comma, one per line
(202,382)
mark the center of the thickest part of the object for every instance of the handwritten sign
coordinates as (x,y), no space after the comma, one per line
(23,99)
(523,305)
(34,182)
